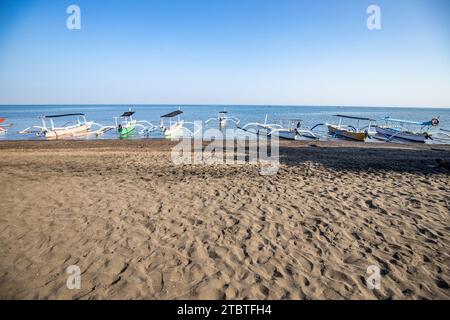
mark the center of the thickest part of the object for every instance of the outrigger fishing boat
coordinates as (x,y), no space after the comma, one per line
(347,131)
(289,129)
(260,128)
(400,129)
(4,128)
(176,128)
(80,127)
(223,119)
(128,125)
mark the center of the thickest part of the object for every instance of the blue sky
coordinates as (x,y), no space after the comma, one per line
(295,52)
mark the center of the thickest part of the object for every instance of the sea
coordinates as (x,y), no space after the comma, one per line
(24,116)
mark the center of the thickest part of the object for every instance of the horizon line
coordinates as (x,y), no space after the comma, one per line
(221,105)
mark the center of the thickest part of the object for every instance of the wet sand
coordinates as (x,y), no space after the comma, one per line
(140,227)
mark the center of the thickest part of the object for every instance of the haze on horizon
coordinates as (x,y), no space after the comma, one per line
(274,52)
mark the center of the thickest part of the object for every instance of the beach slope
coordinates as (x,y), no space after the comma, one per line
(140,227)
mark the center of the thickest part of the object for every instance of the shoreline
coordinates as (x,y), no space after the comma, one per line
(164,141)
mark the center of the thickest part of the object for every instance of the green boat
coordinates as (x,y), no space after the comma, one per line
(127,126)
(125,130)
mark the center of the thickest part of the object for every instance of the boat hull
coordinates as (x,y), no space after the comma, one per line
(126,130)
(392,133)
(352,135)
(288,134)
(58,133)
(174,132)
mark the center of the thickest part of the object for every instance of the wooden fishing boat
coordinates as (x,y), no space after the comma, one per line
(289,129)
(392,133)
(347,131)
(402,129)
(260,128)
(128,126)
(223,118)
(77,128)
(176,129)
(292,130)
(48,129)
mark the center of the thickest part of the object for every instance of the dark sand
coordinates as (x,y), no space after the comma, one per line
(140,227)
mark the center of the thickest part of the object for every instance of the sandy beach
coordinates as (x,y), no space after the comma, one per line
(140,227)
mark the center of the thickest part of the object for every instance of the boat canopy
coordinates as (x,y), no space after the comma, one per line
(223,112)
(352,117)
(2,120)
(172,114)
(127,114)
(64,115)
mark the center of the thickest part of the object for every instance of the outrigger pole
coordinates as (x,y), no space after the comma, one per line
(432,123)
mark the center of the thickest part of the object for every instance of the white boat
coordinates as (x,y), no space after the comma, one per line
(260,128)
(290,131)
(223,119)
(398,129)
(79,127)
(391,133)
(176,129)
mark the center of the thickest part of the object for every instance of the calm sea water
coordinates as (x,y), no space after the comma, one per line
(26,116)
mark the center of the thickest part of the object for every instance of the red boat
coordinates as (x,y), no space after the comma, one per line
(4,128)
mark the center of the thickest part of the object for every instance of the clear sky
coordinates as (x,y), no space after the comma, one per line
(299,52)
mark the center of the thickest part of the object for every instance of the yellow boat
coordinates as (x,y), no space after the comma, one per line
(336,131)
(348,131)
